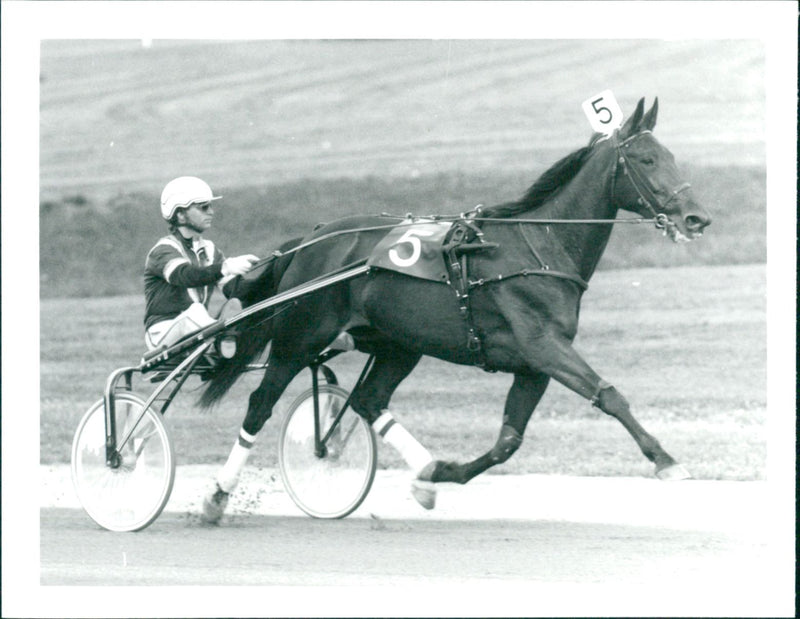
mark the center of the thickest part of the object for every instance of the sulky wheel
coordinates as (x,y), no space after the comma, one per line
(130,496)
(333,484)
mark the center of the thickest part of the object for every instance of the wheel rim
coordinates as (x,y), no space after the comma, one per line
(335,485)
(131,496)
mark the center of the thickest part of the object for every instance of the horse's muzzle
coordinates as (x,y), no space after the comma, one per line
(689,222)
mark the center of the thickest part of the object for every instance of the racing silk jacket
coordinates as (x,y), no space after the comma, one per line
(178,272)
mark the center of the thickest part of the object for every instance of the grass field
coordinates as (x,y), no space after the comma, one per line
(117,117)
(685,345)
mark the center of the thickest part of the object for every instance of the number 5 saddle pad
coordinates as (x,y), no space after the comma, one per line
(413,249)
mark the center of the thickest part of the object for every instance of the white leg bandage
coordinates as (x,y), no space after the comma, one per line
(398,437)
(228,477)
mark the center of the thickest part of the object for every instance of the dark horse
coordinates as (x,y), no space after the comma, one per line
(523,302)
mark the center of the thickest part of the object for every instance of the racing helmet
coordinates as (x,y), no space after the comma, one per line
(182,192)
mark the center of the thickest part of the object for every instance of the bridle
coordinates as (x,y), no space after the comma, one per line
(642,186)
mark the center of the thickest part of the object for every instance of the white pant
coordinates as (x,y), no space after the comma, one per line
(167,332)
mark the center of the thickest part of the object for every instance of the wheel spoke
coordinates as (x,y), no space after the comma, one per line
(335,485)
(128,497)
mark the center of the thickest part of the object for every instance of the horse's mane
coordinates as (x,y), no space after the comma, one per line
(546,186)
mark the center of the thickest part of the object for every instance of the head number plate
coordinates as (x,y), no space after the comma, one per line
(603,112)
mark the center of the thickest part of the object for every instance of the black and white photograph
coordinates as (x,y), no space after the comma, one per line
(469,309)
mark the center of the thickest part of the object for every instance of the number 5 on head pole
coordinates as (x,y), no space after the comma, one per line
(603,112)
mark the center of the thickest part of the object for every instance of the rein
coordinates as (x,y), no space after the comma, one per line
(411,220)
(638,180)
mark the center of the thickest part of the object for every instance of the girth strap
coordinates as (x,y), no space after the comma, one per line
(459,243)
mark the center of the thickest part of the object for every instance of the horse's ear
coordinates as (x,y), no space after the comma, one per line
(631,126)
(649,120)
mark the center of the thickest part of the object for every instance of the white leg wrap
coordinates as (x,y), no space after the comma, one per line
(407,446)
(228,477)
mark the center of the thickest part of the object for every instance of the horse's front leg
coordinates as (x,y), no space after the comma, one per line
(277,377)
(522,399)
(558,358)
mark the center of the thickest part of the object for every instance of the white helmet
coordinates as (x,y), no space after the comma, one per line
(182,192)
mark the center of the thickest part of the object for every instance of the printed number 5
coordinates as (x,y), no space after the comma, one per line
(598,110)
(603,112)
(416,247)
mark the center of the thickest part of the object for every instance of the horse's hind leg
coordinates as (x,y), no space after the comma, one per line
(524,395)
(279,374)
(371,399)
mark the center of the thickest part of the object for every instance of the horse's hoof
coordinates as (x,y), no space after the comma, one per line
(674,472)
(214,505)
(426,474)
(424,492)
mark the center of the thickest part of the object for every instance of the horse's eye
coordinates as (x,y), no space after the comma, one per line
(648,161)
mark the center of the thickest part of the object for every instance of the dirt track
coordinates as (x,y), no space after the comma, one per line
(549,545)
(715,573)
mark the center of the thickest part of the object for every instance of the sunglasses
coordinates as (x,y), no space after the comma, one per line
(203,207)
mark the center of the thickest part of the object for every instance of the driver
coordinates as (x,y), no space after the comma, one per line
(182,269)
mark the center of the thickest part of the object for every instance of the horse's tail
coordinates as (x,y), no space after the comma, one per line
(254,332)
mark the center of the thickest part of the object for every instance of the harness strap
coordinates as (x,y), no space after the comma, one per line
(525,272)
(457,264)
(456,249)
(544,268)
(535,253)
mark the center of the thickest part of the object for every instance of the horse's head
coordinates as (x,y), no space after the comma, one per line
(647,180)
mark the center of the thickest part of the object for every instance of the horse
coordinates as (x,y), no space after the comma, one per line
(517,313)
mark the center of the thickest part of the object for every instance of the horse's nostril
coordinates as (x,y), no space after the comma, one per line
(696,223)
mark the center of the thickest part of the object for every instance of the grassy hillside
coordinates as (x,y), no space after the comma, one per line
(253,219)
(299,131)
(119,117)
